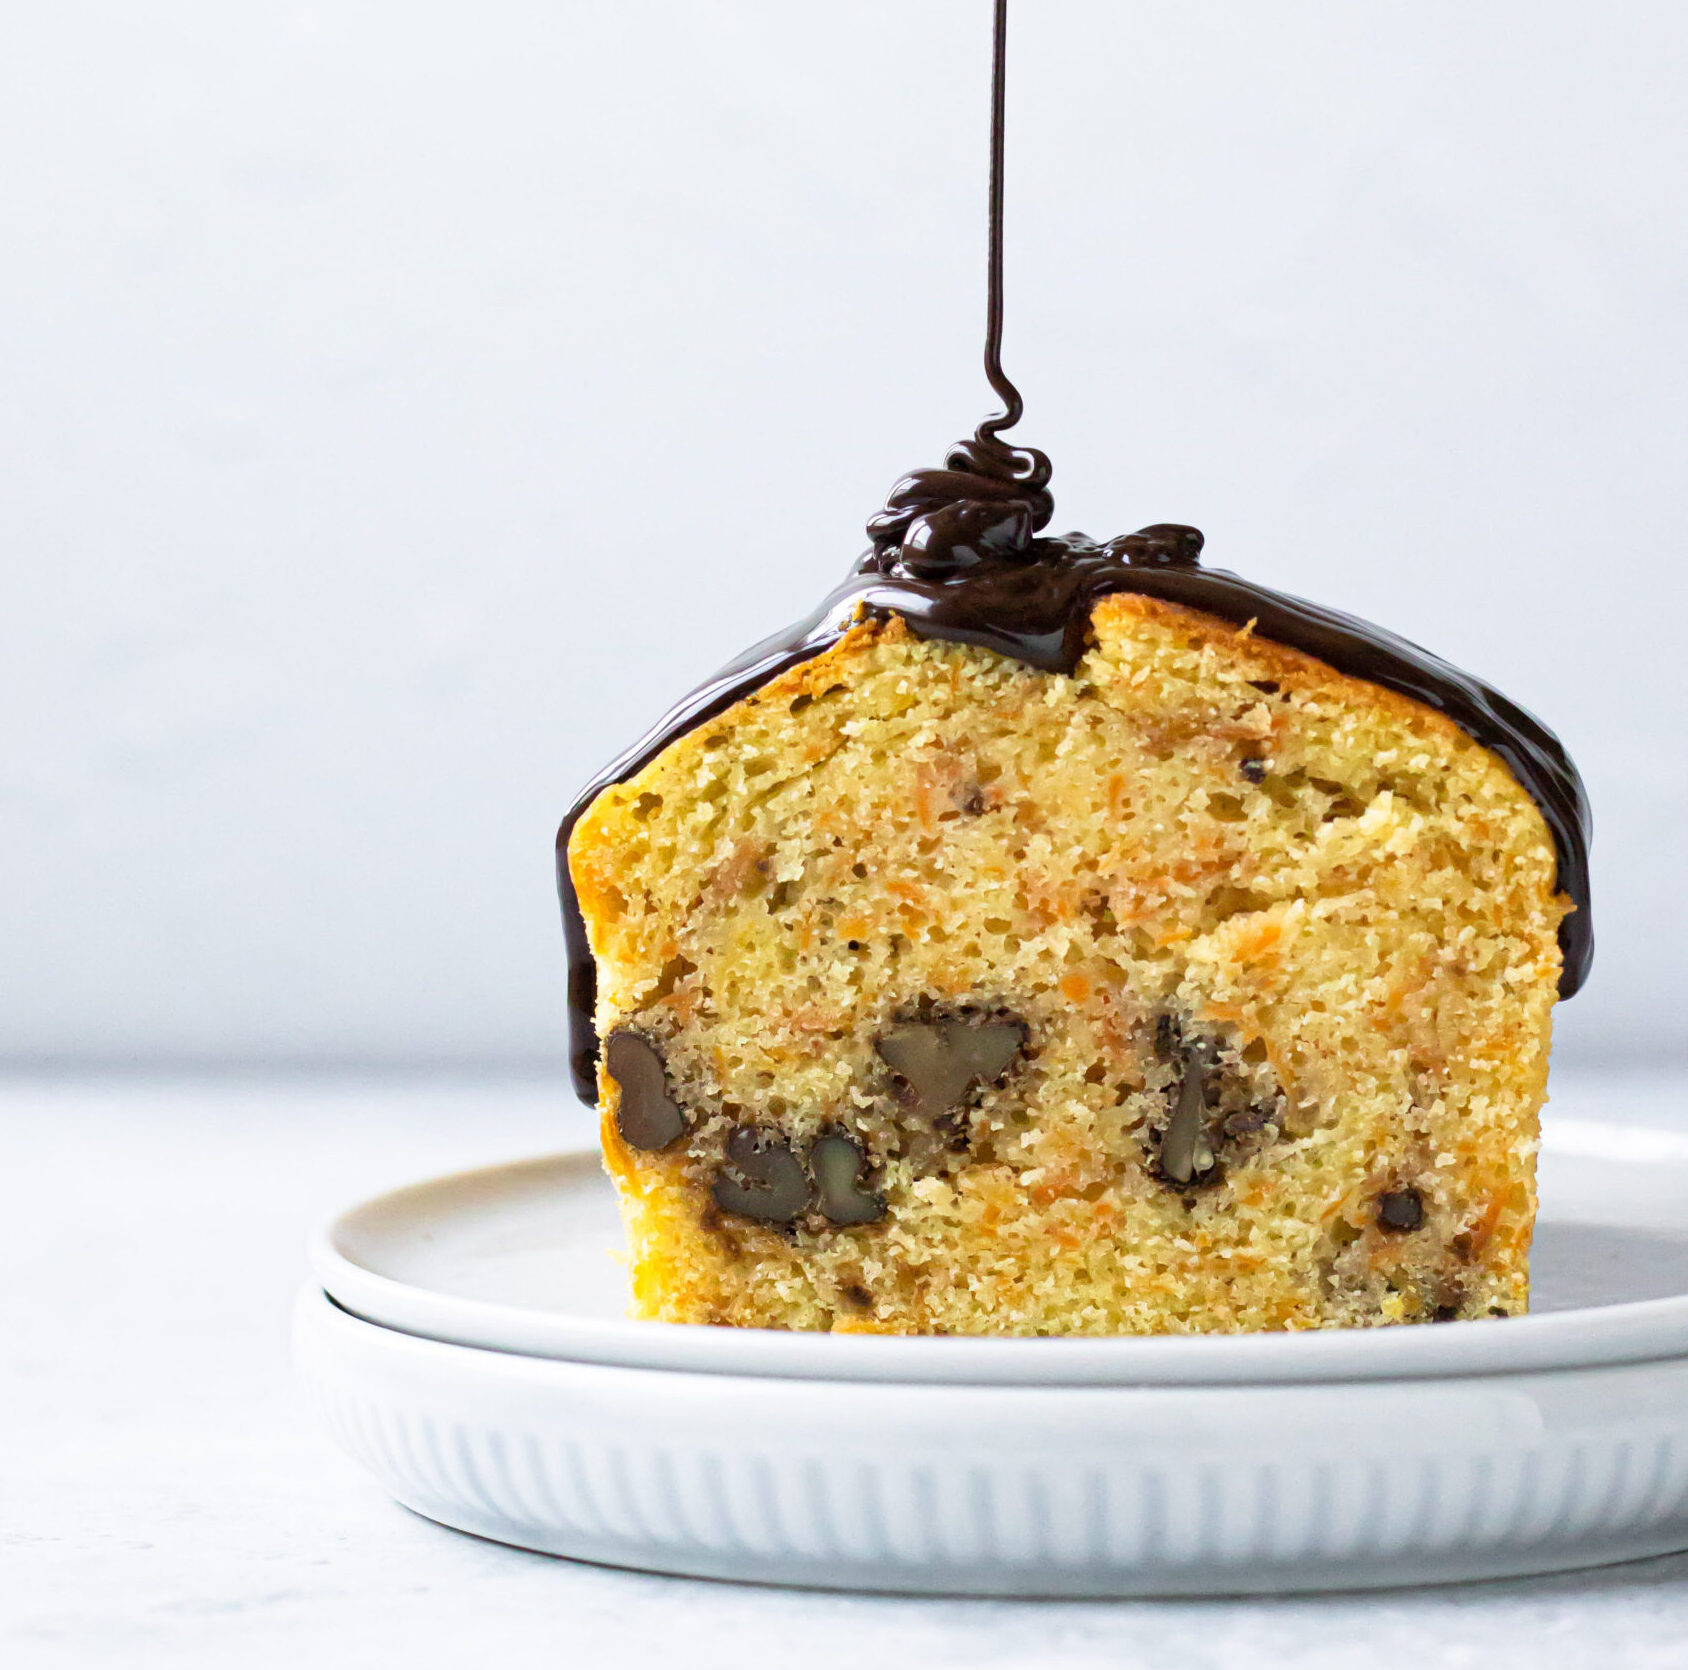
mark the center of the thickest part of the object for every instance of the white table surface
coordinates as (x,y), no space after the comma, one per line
(165,1499)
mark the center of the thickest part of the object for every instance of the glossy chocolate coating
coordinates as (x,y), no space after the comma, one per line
(956,552)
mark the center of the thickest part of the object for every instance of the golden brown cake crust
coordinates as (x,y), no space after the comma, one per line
(1203,854)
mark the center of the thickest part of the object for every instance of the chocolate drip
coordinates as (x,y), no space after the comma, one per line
(990,499)
(956,554)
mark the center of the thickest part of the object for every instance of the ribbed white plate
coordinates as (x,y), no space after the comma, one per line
(473,1355)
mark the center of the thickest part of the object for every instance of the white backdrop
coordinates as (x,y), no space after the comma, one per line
(385,389)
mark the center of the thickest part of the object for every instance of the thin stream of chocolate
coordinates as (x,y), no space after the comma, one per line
(956,554)
(1012,404)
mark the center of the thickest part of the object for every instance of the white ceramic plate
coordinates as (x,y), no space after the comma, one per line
(474,1356)
(524,1258)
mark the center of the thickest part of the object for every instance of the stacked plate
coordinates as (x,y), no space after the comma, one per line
(465,1340)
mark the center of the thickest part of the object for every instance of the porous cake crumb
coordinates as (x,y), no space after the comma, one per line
(1202,989)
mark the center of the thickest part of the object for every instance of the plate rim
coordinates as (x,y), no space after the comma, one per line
(1629,1331)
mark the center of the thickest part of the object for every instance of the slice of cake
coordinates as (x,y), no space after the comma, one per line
(1052,937)
(1182,982)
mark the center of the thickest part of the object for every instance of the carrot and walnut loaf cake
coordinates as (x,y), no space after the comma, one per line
(1061,938)
(1053,937)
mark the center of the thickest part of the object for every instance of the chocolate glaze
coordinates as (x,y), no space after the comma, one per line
(957,554)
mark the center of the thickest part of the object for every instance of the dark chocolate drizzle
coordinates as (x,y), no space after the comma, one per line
(956,554)
(990,499)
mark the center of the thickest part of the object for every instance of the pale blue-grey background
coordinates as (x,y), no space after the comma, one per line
(389,388)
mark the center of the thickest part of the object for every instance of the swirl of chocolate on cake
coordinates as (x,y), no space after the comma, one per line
(989,500)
